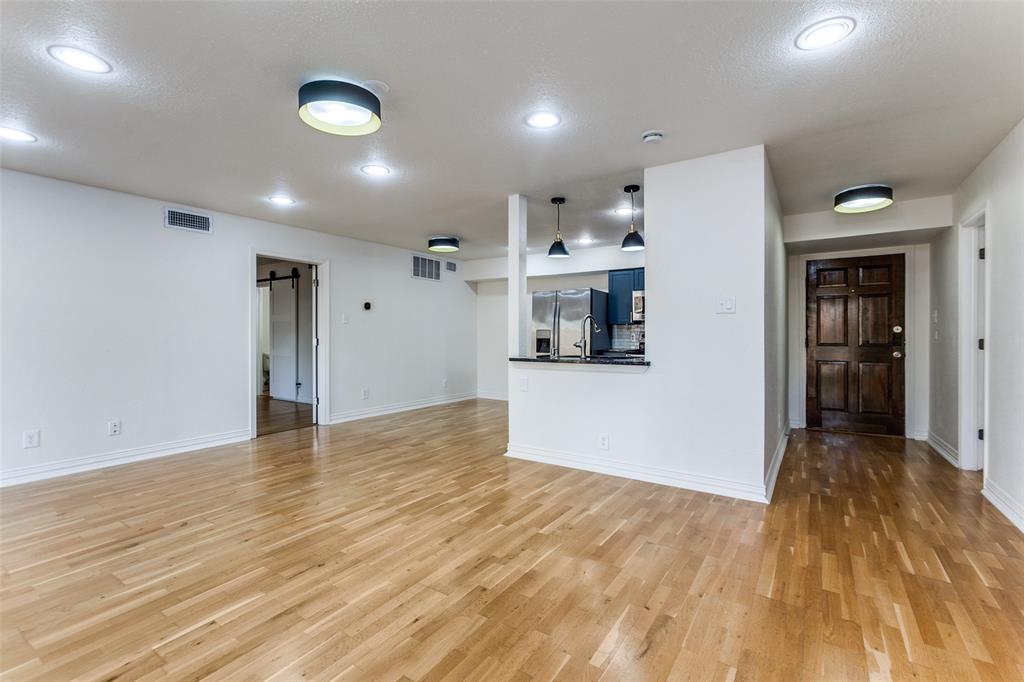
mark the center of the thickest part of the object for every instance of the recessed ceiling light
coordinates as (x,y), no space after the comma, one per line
(863,199)
(443,244)
(339,108)
(15,135)
(543,119)
(281,200)
(78,59)
(825,33)
(373,169)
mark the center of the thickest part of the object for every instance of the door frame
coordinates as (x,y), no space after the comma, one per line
(322,394)
(973,453)
(916,306)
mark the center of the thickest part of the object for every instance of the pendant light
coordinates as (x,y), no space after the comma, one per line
(633,241)
(863,199)
(558,249)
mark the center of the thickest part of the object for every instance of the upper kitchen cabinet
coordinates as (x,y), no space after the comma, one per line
(621,285)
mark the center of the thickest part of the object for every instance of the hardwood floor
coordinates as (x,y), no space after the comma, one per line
(407,548)
(273,416)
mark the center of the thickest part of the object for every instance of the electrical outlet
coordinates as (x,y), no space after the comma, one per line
(726,306)
(344,319)
(114,427)
(30,439)
(524,384)
(444,383)
(602,441)
(366,394)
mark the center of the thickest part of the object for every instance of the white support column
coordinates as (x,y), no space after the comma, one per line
(518,300)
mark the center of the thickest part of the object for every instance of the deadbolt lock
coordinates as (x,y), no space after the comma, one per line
(897,329)
(897,354)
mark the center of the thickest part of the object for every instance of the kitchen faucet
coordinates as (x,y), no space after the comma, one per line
(582,343)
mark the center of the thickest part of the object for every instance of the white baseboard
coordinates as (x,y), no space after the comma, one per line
(1001,500)
(381,410)
(103,460)
(640,472)
(947,451)
(797,424)
(773,467)
(488,395)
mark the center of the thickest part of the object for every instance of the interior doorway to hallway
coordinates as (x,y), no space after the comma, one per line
(287,359)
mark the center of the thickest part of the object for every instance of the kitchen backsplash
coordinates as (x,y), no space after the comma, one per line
(626,336)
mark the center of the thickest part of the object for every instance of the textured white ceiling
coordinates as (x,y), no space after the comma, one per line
(201,106)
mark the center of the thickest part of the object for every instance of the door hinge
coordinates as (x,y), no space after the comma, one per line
(981,434)
(981,344)
(981,253)
(316,342)
(316,282)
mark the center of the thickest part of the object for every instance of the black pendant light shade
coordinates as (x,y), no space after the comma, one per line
(633,241)
(558,249)
(443,244)
(339,108)
(863,199)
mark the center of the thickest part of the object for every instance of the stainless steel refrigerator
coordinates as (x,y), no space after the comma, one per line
(558,321)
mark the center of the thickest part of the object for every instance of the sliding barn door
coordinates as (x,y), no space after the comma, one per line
(283,340)
(855,344)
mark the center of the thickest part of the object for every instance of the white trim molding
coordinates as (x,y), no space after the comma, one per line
(492,395)
(772,475)
(947,451)
(103,460)
(381,410)
(640,472)
(1002,501)
(971,237)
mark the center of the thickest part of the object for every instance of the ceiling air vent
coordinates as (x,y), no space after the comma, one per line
(182,219)
(426,268)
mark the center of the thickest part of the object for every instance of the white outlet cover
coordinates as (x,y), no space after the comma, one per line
(30,439)
(366,394)
(726,305)
(524,384)
(602,441)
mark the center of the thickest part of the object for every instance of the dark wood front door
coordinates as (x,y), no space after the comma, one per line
(855,344)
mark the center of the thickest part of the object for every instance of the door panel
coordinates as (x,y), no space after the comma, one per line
(855,356)
(283,342)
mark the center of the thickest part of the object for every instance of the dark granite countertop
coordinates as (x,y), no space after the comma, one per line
(637,361)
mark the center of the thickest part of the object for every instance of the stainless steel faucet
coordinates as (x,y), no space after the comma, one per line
(582,343)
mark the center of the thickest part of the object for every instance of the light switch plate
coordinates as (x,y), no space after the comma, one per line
(726,305)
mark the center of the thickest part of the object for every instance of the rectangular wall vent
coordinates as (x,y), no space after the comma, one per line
(182,219)
(450,266)
(426,268)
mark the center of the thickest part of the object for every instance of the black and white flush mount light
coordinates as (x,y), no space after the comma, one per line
(443,244)
(557,249)
(339,108)
(863,198)
(633,241)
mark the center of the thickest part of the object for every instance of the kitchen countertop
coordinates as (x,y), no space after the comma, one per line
(637,361)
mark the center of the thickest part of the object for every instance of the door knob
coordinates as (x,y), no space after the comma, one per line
(897,329)
(897,354)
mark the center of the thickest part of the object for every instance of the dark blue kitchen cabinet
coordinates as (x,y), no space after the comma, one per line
(621,284)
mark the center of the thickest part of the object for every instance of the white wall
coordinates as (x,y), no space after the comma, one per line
(492,325)
(775,333)
(593,259)
(305,325)
(942,375)
(695,418)
(903,216)
(997,186)
(107,314)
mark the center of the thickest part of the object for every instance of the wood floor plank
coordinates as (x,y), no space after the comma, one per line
(407,547)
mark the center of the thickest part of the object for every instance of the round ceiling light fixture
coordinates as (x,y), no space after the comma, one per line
(281,200)
(375,170)
(443,244)
(543,119)
(825,33)
(633,241)
(652,137)
(863,198)
(339,108)
(557,248)
(15,135)
(78,59)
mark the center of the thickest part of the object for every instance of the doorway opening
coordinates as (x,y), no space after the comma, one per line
(973,324)
(286,321)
